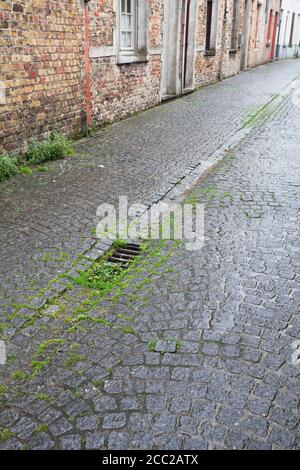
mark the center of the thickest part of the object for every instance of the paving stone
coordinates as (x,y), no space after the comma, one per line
(165,346)
(94,440)
(281,439)
(118,441)
(233,304)
(71,442)
(114,421)
(104,403)
(163,424)
(60,427)
(87,423)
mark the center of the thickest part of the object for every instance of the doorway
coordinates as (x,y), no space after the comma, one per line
(178,56)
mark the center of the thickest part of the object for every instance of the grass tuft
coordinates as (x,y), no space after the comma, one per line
(8,166)
(53,148)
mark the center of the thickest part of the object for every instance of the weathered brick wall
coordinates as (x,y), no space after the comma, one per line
(258,28)
(223,64)
(121,90)
(259,48)
(43,63)
(42,52)
(207,68)
(231,61)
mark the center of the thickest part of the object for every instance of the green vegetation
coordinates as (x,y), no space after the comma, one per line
(8,166)
(128,330)
(41,169)
(41,428)
(45,353)
(152,345)
(53,148)
(44,397)
(177,342)
(25,170)
(5,434)
(59,257)
(73,359)
(100,276)
(19,375)
(3,389)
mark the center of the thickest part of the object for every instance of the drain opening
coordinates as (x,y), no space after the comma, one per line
(125,254)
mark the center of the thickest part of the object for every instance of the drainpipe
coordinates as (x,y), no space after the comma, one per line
(87,65)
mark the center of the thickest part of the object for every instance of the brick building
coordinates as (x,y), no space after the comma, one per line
(66,64)
(289,29)
(260,32)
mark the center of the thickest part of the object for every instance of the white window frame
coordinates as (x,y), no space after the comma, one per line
(140,22)
(132,15)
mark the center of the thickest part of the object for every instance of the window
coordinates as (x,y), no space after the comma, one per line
(257,32)
(211,25)
(127,24)
(270,26)
(234,25)
(292,31)
(208,24)
(267,11)
(132,31)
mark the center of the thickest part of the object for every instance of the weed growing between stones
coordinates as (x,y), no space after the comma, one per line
(100,276)
(54,147)
(8,166)
(5,434)
(152,345)
(25,170)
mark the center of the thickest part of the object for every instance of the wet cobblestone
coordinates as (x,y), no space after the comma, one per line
(47,219)
(232,307)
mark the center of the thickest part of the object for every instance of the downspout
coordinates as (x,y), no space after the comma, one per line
(87,66)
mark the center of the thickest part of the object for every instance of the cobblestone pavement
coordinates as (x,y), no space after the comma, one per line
(47,218)
(192,350)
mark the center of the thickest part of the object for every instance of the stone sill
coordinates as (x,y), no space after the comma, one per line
(210,53)
(123,59)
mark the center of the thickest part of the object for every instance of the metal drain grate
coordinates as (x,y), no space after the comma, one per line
(125,254)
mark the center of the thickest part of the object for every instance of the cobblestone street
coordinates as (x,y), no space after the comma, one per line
(195,349)
(47,218)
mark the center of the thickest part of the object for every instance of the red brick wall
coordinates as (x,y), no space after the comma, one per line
(41,65)
(222,64)
(121,90)
(259,49)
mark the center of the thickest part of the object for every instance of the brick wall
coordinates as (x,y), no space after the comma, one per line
(121,90)
(223,63)
(259,45)
(42,52)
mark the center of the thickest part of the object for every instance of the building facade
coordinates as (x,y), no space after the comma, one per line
(289,30)
(69,64)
